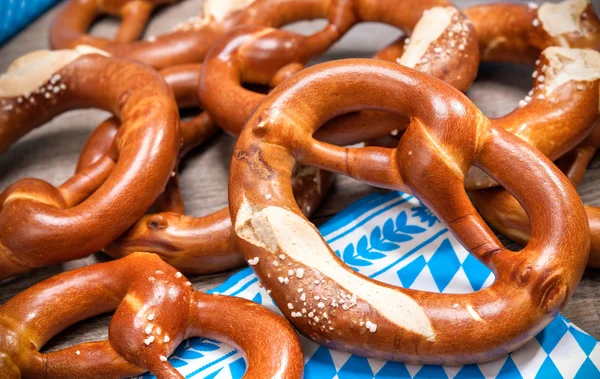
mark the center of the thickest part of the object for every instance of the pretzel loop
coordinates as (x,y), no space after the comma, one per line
(41,224)
(345,310)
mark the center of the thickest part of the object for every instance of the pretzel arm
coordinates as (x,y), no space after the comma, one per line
(135,16)
(503,211)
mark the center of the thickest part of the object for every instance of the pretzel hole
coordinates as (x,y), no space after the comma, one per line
(364,40)
(307,27)
(34,153)
(91,329)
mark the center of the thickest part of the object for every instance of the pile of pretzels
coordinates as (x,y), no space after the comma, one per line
(293,124)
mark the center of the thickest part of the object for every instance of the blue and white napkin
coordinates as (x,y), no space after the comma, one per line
(17,14)
(395,239)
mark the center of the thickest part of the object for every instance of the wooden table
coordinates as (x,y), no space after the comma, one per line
(50,153)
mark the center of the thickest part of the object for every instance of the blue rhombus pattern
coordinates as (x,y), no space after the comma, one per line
(395,239)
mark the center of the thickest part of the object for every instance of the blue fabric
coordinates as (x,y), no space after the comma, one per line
(395,239)
(17,14)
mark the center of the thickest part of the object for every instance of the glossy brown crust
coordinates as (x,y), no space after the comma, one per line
(75,18)
(516,36)
(41,224)
(502,211)
(531,286)
(198,245)
(256,55)
(155,309)
(189,44)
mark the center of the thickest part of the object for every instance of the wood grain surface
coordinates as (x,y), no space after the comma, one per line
(51,152)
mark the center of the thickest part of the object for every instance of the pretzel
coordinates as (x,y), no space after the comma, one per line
(265,56)
(339,308)
(155,307)
(41,224)
(548,118)
(519,33)
(199,245)
(77,16)
(503,212)
(190,41)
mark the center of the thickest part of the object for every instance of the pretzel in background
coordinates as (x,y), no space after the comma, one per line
(190,41)
(553,118)
(339,308)
(560,110)
(76,17)
(41,224)
(265,56)
(155,307)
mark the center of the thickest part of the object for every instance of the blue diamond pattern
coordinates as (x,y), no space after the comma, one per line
(444,264)
(431,372)
(470,372)
(585,341)
(238,368)
(476,272)
(409,273)
(549,337)
(395,370)
(320,365)
(356,368)
(548,370)
(588,370)
(509,370)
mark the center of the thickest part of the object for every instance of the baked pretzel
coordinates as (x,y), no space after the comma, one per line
(503,212)
(199,245)
(41,224)
(339,308)
(554,118)
(190,41)
(155,307)
(266,56)
(77,16)
(520,32)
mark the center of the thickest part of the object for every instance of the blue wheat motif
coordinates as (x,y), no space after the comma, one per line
(381,241)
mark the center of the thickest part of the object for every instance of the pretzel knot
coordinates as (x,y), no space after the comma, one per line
(339,308)
(156,308)
(41,224)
